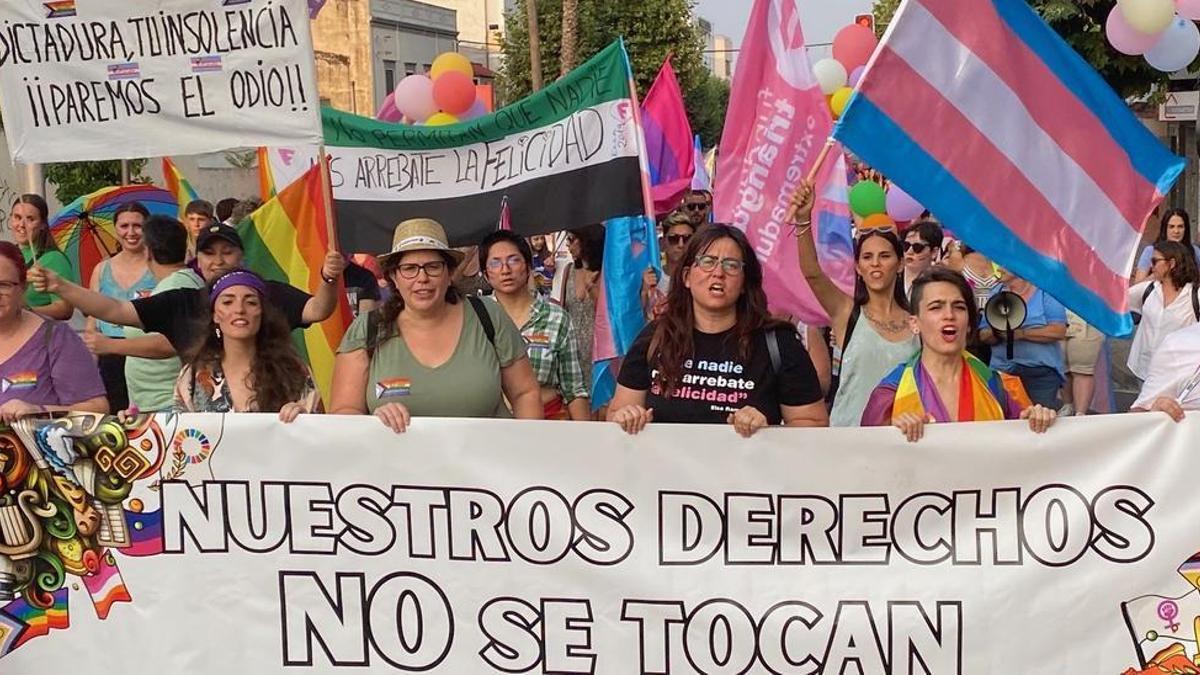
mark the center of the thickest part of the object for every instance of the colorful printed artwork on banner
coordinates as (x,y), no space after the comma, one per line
(67,505)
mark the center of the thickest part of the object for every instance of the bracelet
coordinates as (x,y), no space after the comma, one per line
(328,280)
(802,228)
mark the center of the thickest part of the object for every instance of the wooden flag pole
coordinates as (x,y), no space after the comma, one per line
(327,198)
(812,174)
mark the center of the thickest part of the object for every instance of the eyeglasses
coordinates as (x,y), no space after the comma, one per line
(509,262)
(678,239)
(731,266)
(917,247)
(695,206)
(432,269)
(8,287)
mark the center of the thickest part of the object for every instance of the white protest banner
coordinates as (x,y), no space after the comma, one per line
(98,79)
(238,544)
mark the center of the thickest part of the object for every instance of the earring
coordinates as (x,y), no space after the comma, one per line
(218,331)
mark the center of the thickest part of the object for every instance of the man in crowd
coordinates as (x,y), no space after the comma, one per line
(922,250)
(697,205)
(677,230)
(152,380)
(1173,384)
(180,314)
(196,216)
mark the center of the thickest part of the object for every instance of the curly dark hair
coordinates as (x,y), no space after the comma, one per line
(671,343)
(278,375)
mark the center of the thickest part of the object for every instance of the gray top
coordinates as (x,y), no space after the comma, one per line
(869,358)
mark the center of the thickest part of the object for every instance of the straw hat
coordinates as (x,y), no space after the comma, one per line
(419,234)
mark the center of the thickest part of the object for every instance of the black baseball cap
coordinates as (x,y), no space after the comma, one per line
(218,231)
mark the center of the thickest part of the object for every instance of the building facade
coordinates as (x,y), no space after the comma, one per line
(406,37)
(705,30)
(723,57)
(480,27)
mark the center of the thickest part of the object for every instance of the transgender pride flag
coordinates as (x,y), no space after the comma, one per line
(982,113)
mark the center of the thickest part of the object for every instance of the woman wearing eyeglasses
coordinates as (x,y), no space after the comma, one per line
(44,366)
(507,260)
(715,356)
(1168,301)
(871,334)
(426,352)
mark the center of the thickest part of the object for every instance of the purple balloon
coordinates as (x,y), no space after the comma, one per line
(855,76)
(414,97)
(477,109)
(901,207)
(1124,38)
(388,112)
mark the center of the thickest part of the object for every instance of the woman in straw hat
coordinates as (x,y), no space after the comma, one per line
(427,352)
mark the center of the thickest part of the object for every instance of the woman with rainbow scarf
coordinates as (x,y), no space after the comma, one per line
(944,377)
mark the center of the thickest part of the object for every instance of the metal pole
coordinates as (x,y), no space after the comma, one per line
(124,172)
(35,179)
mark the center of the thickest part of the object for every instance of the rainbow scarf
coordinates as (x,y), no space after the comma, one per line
(980,395)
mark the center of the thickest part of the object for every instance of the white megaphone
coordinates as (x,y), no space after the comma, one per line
(1005,312)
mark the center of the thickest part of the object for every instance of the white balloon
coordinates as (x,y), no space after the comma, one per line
(1177,48)
(831,75)
(1148,16)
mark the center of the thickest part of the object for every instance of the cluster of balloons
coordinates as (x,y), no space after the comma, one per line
(869,201)
(852,48)
(1162,31)
(446,95)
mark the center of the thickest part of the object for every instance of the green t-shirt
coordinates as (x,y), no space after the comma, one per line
(468,385)
(152,381)
(51,260)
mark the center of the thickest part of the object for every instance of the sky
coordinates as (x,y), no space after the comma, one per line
(820,18)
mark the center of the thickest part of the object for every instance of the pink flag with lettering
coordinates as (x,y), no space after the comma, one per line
(777,122)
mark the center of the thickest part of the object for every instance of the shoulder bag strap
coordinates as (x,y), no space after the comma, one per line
(485,319)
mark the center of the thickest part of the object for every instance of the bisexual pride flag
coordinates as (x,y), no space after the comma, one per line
(669,145)
(982,113)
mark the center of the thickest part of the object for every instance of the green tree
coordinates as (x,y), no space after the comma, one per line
(706,106)
(74,179)
(1081,24)
(652,29)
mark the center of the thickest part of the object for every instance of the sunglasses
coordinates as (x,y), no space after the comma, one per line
(694,206)
(678,239)
(917,247)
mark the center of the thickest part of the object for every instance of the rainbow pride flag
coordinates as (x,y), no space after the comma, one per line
(38,621)
(178,185)
(266,178)
(286,240)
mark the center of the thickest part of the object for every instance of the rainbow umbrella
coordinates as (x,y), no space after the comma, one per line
(85,230)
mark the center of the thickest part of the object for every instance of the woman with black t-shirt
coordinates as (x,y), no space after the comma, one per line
(715,355)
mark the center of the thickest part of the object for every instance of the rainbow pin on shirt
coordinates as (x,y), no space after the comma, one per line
(397,386)
(19,382)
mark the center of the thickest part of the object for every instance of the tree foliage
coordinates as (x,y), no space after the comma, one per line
(652,29)
(75,179)
(1081,24)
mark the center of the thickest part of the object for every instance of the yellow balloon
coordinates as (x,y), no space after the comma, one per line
(440,119)
(451,61)
(839,100)
(1150,17)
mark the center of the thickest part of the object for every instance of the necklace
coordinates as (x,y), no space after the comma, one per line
(888,326)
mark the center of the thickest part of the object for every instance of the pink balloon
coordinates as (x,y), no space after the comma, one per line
(1188,9)
(414,97)
(902,207)
(855,76)
(454,92)
(1124,38)
(388,112)
(853,46)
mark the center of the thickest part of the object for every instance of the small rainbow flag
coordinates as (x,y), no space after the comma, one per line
(397,386)
(59,9)
(39,621)
(19,382)
(266,179)
(286,240)
(178,185)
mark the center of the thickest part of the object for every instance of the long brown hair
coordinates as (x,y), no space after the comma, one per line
(42,241)
(278,376)
(672,344)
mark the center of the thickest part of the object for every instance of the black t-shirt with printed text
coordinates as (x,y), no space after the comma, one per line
(717,381)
